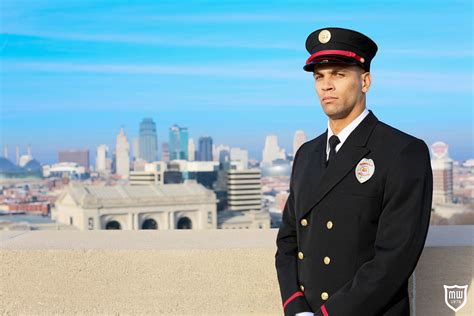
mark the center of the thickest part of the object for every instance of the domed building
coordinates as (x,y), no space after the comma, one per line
(279,168)
(8,170)
(33,169)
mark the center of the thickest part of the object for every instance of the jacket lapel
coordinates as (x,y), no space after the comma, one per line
(351,152)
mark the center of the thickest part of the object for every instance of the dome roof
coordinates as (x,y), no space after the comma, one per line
(33,165)
(6,166)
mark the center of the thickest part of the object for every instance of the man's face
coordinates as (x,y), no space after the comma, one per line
(340,89)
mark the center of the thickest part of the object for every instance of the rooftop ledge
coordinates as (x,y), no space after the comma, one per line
(209,272)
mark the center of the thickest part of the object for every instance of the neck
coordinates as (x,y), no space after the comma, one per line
(338,125)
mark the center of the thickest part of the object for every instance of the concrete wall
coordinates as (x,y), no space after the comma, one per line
(215,272)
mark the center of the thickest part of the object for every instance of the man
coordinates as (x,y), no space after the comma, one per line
(357,216)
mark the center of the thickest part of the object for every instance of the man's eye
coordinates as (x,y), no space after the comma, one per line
(340,74)
(317,77)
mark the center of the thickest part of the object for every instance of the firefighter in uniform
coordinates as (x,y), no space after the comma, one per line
(358,211)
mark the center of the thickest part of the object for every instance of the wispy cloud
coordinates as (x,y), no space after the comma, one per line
(266,69)
(160,40)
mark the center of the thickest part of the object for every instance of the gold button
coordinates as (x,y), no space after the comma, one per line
(327,260)
(304,222)
(329,224)
(324,296)
(300,255)
(302,288)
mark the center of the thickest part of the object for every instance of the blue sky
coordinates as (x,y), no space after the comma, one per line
(74,72)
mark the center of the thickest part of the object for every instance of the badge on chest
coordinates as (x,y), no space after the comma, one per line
(364,170)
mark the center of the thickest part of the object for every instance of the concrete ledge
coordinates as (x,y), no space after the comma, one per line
(215,272)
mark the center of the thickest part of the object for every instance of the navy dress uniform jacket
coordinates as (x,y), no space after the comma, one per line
(349,248)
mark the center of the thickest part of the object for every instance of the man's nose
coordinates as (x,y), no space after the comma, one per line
(327,84)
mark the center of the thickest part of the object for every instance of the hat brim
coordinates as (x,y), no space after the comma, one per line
(331,60)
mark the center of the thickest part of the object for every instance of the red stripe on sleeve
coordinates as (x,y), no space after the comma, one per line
(292,297)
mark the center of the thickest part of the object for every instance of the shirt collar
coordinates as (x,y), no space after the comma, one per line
(346,131)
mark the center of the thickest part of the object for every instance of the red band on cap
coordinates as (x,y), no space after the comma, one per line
(292,297)
(324,311)
(344,53)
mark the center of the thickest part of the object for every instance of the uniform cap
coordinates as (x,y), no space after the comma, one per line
(335,45)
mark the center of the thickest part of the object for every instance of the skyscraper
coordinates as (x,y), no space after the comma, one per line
(442,167)
(79,156)
(191,150)
(298,140)
(101,158)
(165,151)
(122,157)
(242,155)
(178,144)
(136,148)
(148,140)
(271,151)
(205,149)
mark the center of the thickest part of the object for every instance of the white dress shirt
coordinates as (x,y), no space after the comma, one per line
(346,131)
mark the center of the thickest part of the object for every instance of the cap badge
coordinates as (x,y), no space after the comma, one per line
(324,36)
(364,170)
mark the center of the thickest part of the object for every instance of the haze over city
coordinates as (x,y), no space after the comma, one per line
(74,73)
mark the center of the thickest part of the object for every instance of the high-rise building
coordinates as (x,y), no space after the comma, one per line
(79,156)
(122,156)
(442,167)
(242,155)
(244,190)
(205,149)
(271,151)
(165,151)
(148,140)
(298,139)
(136,148)
(5,152)
(178,143)
(101,158)
(216,151)
(191,150)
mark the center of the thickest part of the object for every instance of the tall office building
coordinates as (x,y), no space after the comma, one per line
(122,157)
(271,151)
(136,148)
(191,150)
(5,152)
(148,140)
(205,149)
(178,143)
(442,167)
(298,139)
(244,190)
(216,151)
(80,156)
(165,151)
(242,155)
(101,158)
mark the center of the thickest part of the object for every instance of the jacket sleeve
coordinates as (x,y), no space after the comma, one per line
(285,258)
(401,235)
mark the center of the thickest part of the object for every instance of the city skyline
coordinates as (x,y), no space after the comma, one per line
(89,67)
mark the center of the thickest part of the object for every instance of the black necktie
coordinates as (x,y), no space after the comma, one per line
(333,141)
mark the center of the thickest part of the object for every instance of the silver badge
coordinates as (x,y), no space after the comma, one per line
(364,170)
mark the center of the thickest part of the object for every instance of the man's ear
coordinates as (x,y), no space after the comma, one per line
(366,81)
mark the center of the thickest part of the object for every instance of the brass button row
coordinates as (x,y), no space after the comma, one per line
(304,223)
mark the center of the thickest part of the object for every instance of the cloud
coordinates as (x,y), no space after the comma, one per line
(249,70)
